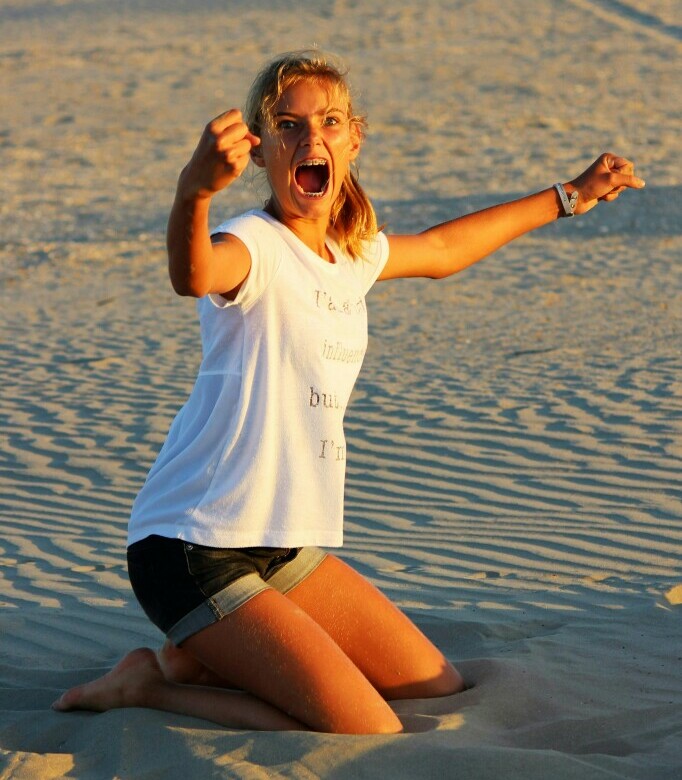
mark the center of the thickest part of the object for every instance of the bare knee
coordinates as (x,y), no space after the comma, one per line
(446,681)
(358,709)
(388,725)
(380,720)
(449,682)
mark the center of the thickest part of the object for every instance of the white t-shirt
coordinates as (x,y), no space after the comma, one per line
(257,455)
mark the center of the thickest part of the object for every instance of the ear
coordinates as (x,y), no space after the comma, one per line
(355,140)
(257,156)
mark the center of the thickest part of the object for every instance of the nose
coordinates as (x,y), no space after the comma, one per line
(310,134)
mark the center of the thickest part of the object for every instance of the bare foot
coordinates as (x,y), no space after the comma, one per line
(128,684)
(180,666)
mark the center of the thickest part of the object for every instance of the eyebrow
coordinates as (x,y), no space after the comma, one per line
(322,111)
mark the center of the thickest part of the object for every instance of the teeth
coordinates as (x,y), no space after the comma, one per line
(315,161)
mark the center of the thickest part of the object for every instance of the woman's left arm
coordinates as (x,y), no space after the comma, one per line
(445,249)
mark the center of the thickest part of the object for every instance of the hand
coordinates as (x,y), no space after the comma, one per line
(604,180)
(222,154)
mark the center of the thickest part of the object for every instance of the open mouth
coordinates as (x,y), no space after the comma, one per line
(312,177)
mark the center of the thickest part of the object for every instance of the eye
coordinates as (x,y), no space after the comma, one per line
(332,119)
(286,124)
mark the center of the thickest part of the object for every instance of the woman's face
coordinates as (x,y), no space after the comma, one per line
(307,153)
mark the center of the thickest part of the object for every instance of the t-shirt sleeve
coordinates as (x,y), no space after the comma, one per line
(371,262)
(256,235)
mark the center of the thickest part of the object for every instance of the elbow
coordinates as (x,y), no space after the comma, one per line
(441,257)
(440,271)
(189,286)
(189,292)
(449,265)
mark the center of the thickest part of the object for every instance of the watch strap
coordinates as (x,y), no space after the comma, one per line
(568,202)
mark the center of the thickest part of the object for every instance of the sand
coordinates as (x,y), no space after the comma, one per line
(515,440)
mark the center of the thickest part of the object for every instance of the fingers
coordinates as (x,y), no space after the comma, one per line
(228,142)
(223,121)
(229,128)
(613,162)
(621,165)
(607,177)
(621,181)
(622,172)
(254,139)
(621,176)
(221,156)
(635,182)
(235,135)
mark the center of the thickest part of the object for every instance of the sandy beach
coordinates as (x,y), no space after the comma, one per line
(515,438)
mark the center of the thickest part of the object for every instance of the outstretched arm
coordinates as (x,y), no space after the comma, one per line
(196,265)
(445,249)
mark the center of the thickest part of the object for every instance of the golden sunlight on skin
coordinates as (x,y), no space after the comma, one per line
(309,124)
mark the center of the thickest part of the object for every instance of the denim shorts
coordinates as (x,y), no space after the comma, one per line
(184,587)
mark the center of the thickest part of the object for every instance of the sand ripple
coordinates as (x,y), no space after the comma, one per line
(515,441)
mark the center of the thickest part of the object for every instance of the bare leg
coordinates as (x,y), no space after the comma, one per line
(321,657)
(137,681)
(382,642)
(392,653)
(178,665)
(274,650)
(296,674)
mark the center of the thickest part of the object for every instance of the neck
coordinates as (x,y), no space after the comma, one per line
(312,232)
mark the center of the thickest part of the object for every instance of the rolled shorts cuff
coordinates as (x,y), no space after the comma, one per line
(237,593)
(291,575)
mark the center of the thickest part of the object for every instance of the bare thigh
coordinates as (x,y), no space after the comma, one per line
(382,642)
(271,648)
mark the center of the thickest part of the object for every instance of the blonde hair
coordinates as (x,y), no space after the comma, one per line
(352,216)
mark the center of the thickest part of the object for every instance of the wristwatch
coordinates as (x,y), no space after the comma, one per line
(569,202)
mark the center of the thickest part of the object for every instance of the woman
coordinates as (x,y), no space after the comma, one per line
(266,631)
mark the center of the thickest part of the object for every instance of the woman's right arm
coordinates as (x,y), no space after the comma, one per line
(198,266)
